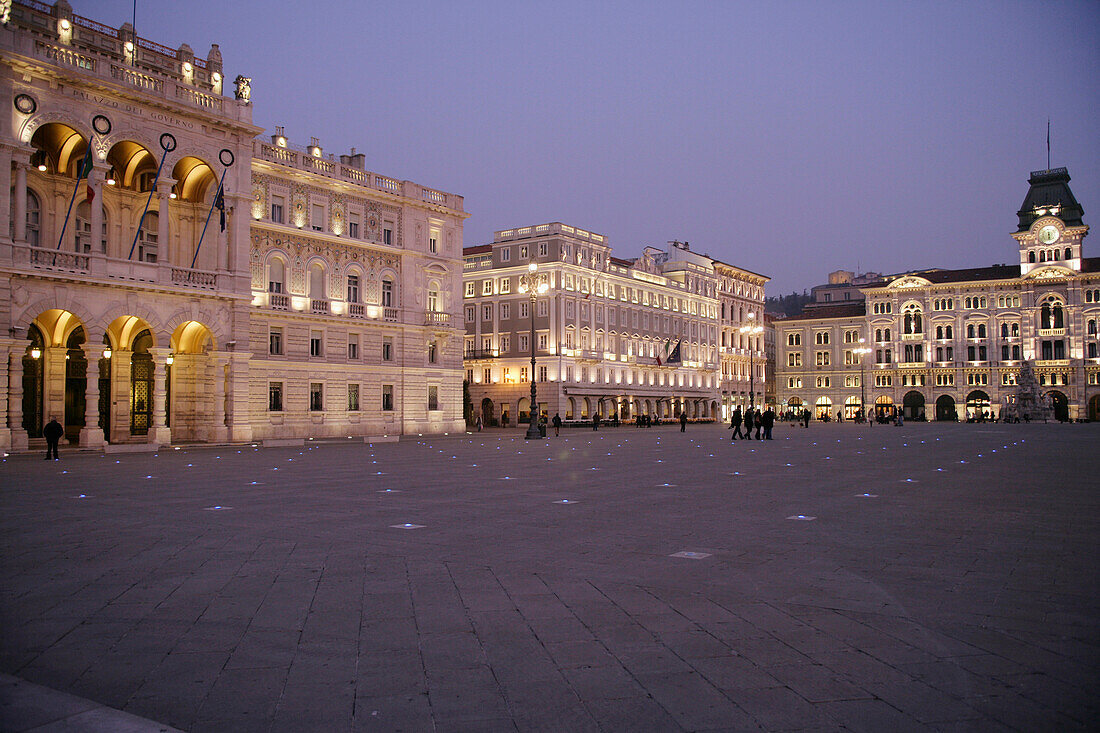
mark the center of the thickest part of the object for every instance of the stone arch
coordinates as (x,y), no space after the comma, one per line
(59,147)
(195,178)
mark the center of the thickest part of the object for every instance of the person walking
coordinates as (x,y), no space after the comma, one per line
(747,420)
(758,420)
(557,424)
(595,421)
(768,421)
(735,424)
(806,418)
(478,423)
(52,433)
(683,421)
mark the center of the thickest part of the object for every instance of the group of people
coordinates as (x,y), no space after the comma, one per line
(750,419)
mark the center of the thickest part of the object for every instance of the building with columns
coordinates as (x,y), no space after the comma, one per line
(953,344)
(318,299)
(606,328)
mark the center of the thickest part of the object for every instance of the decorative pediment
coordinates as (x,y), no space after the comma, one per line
(1049,272)
(909,281)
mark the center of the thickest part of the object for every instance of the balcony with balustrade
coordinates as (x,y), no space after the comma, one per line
(117,56)
(93,266)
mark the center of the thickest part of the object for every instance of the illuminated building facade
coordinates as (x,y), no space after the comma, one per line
(605,330)
(957,343)
(321,303)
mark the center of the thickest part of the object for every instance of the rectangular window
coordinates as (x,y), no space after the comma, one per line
(821,358)
(275,341)
(275,397)
(353,346)
(317,221)
(387,293)
(387,397)
(523,374)
(505,311)
(544,308)
(315,343)
(505,254)
(433,397)
(433,242)
(524,343)
(470,313)
(543,341)
(353,288)
(353,398)
(542,374)
(504,343)
(277,204)
(316,397)
(353,226)
(432,352)
(794,360)
(387,348)
(487,287)
(469,290)
(542,249)
(524,309)
(387,233)
(487,312)
(523,252)
(487,375)
(505,285)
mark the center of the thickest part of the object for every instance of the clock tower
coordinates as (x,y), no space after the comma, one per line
(1051,227)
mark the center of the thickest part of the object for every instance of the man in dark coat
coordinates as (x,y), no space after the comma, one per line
(735,424)
(683,421)
(52,433)
(748,423)
(768,421)
(557,424)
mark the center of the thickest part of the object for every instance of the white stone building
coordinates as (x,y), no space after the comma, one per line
(957,343)
(325,307)
(604,330)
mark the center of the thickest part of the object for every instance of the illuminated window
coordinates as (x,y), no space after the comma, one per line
(275,397)
(316,397)
(353,398)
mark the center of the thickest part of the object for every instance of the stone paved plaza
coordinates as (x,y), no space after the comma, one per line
(928,577)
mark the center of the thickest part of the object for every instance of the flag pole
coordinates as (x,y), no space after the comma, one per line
(225,156)
(167,147)
(85,165)
(210,213)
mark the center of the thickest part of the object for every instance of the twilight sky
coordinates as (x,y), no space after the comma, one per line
(790,138)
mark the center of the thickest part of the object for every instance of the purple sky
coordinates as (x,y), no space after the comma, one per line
(790,138)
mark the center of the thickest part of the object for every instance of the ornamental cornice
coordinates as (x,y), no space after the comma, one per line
(339,254)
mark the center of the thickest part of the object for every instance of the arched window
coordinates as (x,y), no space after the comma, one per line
(1031,256)
(1059,320)
(1092,327)
(981,330)
(147,237)
(970,333)
(1044,316)
(1056,253)
(1043,256)
(316,281)
(276,275)
(1068,254)
(1092,350)
(387,293)
(34,214)
(434,305)
(948,332)
(1015,329)
(82,234)
(1004,330)
(353,287)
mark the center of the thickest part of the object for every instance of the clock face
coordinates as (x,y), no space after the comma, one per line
(1048,234)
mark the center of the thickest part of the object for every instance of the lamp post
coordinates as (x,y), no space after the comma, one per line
(862,351)
(752,329)
(534,284)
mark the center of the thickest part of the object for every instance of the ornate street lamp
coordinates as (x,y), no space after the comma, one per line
(752,329)
(534,284)
(862,351)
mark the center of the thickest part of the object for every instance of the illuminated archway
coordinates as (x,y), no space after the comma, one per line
(58,148)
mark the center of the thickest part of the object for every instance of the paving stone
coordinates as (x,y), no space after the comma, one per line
(935,605)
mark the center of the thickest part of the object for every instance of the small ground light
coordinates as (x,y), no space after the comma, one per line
(688,554)
(566,501)
(802,518)
(407,525)
(868,496)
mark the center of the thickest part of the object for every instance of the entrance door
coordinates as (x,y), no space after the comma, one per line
(76,385)
(1060,405)
(945,408)
(141,385)
(913,403)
